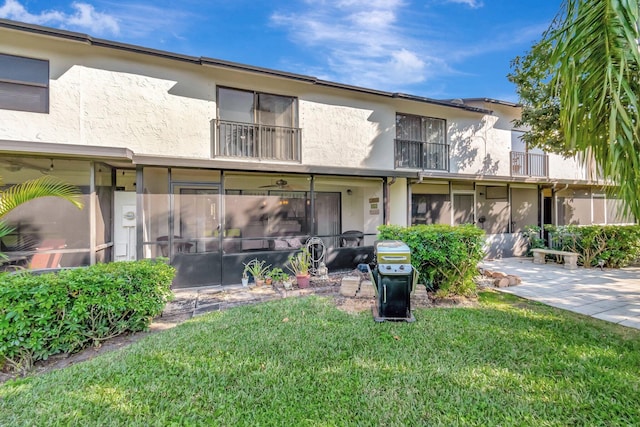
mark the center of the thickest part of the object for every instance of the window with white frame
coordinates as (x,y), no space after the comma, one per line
(24,84)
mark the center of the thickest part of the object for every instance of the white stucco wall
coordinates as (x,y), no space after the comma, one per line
(398,202)
(341,132)
(157,106)
(566,168)
(101,97)
(479,148)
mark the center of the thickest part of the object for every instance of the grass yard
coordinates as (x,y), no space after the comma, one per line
(298,362)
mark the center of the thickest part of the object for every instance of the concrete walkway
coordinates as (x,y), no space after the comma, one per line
(612,294)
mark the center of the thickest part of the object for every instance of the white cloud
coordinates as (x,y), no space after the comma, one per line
(362,41)
(474,4)
(83,17)
(87,17)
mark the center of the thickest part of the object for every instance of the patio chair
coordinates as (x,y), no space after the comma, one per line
(351,239)
(47,260)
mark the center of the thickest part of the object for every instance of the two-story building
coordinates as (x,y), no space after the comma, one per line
(213,163)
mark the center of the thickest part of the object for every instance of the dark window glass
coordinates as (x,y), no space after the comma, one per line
(24,84)
(430,209)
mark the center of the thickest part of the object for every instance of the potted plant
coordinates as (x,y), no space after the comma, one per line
(279,276)
(257,269)
(245,277)
(299,265)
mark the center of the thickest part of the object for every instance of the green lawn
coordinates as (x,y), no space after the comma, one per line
(298,362)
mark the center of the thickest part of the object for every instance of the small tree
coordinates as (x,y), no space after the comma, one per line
(531,74)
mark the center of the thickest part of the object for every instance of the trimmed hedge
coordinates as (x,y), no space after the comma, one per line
(446,257)
(67,311)
(616,245)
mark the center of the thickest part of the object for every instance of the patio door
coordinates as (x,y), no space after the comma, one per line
(196,239)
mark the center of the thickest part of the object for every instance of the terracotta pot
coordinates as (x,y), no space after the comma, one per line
(303,281)
(268,281)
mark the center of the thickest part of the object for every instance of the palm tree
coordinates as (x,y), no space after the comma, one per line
(45,186)
(596,59)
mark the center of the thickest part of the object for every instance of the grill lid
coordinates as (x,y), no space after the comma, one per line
(392,252)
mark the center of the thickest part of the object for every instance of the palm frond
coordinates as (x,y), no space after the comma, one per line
(5,230)
(598,63)
(44,186)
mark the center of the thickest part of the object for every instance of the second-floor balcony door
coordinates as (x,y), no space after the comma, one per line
(236,130)
(277,135)
(257,126)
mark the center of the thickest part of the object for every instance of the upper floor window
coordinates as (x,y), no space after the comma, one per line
(24,84)
(421,143)
(257,125)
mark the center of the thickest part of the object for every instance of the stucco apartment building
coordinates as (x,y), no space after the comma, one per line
(213,163)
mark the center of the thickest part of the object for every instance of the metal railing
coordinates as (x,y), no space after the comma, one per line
(257,141)
(421,155)
(529,164)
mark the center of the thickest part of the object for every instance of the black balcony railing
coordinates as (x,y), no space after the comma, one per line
(257,141)
(529,164)
(421,155)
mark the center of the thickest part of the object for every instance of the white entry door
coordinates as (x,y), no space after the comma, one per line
(124,233)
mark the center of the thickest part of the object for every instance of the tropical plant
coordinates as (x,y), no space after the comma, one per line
(256,268)
(593,64)
(46,186)
(299,263)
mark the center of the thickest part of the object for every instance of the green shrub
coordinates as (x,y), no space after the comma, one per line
(616,245)
(446,257)
(64,312)
(532,235)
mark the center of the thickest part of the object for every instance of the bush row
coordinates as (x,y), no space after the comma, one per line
(66,311)
(446,257)
(616,245)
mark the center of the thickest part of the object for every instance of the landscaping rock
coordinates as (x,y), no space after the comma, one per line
(487,273)
(514,280)
(366,290)
(421,291)
(349,286)
(501,283)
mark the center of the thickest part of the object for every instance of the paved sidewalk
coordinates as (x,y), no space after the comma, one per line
(611,294)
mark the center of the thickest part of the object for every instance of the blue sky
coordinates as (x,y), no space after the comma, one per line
(433,48)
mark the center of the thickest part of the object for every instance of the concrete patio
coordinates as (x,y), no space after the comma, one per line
(610,294)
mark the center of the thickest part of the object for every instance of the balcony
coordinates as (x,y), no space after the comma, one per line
(529,164)
(257,141)
(421,155)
